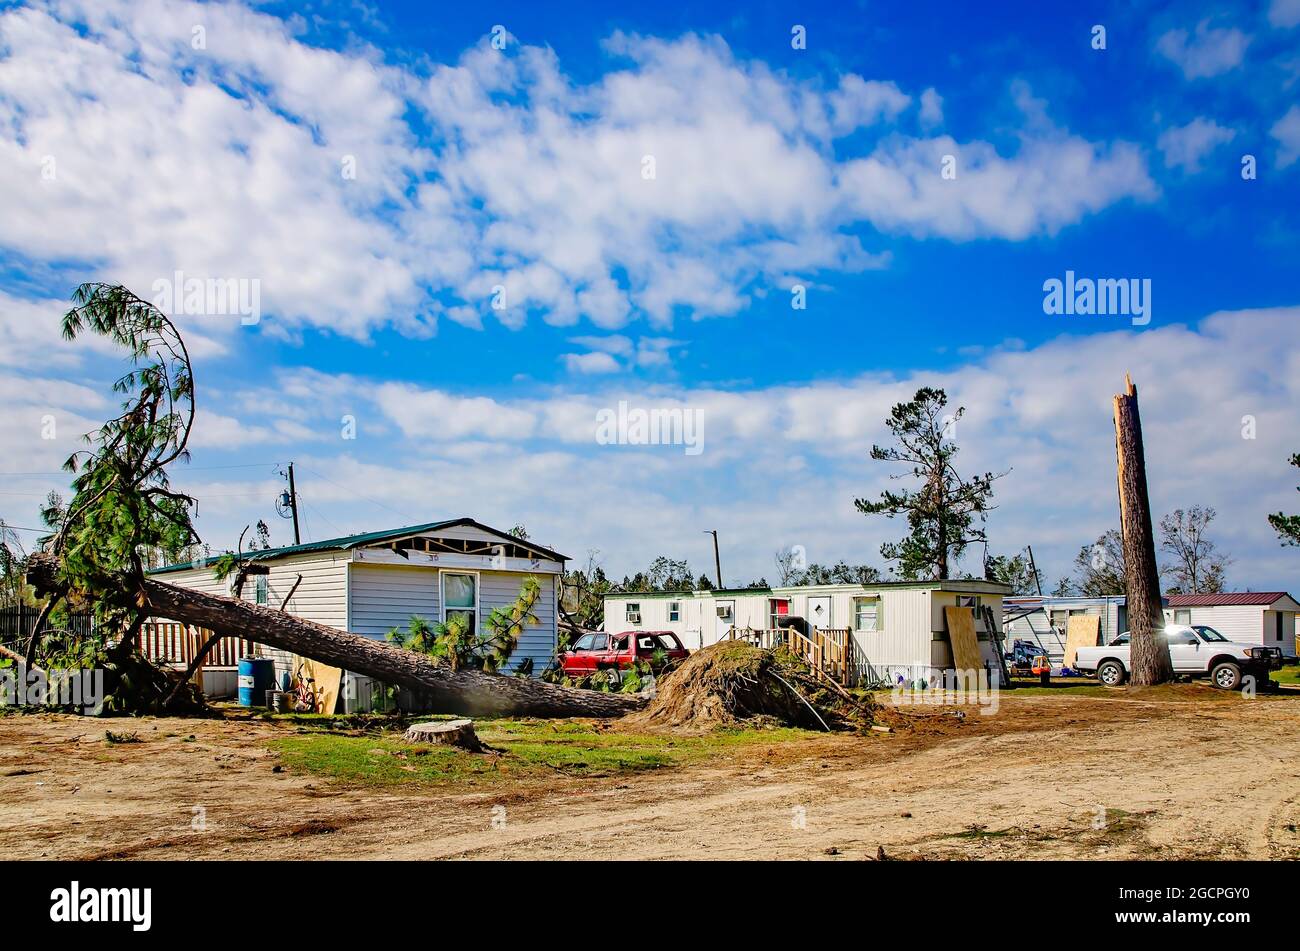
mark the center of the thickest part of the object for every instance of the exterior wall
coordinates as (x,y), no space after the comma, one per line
(385,596)
(321,597)
(1037,627)
(911,644)
(1237,622)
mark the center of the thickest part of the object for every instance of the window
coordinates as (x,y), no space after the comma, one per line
(1183,616)
(632,612)
(586,642)
(261,589)
(968,601)
(674,610)
(460,597)
(777,608)
(1279,625)
(866,614)
(726,611)
(669,642)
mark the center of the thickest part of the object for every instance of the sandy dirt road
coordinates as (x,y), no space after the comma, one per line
(1047,777)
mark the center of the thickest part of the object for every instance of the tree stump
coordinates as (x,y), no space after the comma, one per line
(445,733)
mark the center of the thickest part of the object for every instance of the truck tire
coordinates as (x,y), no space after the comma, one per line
(1112,673)
(1226,676)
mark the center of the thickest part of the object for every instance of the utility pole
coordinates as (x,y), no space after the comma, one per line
(293,505)
(1034,568)
(717,561)
(1150,653)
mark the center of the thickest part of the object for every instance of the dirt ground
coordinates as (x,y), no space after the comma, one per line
(1044,777)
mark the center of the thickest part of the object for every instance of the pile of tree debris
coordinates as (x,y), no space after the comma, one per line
(734,683)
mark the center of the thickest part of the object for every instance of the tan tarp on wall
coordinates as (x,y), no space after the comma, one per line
(326,683)
(961,634)
(1084,631)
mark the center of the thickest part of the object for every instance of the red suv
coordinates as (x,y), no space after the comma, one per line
(595,652)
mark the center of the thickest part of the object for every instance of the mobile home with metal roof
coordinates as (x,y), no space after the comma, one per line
(897,630)
(373,582)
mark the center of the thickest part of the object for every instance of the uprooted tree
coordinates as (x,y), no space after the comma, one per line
(123,503)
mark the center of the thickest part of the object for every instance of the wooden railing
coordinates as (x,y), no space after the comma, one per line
(829,651)
(170,642)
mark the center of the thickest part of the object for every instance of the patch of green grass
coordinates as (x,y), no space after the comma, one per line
(1288,675)
(527,748)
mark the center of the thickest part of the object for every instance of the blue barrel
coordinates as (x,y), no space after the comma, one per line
(256,677)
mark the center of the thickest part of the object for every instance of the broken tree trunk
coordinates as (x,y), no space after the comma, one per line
(469,692)
(1149,653)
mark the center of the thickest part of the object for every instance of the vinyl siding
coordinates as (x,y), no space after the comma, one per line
(386,596)
(1243,623)
(1037,627)
(320,597)
(906,645)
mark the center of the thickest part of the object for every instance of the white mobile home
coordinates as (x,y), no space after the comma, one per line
(374,582)
(1247,617)
(1045,620)
(897,629)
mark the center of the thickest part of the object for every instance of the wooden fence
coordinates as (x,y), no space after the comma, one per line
(16,622)
(170,642)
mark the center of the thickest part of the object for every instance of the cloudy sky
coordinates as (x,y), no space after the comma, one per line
(473,227)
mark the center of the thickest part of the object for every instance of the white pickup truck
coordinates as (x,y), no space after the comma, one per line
(1197,651)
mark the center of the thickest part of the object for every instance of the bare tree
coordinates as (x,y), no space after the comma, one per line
(1099,568)
(1198,567)
(788,568)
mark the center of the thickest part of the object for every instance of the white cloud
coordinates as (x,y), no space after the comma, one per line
(931,108)
(1287,133)
(590,363)
(232,161)
(1185,146)
(1206,51)
(1284,13)
(782,464)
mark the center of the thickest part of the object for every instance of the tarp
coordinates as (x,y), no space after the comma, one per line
(961,634)
(1084,631)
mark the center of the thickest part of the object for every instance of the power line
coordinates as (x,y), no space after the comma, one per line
(406,515)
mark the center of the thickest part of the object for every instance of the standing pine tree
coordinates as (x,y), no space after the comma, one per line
(1287,526)
(942,510)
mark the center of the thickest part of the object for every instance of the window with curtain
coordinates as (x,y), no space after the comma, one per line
(866,614)
(460,596)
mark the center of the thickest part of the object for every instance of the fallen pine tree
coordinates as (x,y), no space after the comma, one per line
(124,504)
(467,691)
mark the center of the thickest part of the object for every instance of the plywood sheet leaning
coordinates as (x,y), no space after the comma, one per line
(326,681)
(1084,631)
(961,634)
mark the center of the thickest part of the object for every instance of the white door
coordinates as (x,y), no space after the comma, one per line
(726,618)
(819,612)
(1185,650)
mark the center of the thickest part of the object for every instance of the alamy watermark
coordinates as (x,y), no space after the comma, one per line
(951,688)
(659,426)
(74,688)
(209,297)
(1120,297)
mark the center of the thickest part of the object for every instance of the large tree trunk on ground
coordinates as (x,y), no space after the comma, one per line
(470,692)
(1149,652)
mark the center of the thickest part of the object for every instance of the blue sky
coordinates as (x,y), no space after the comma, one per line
(141,138)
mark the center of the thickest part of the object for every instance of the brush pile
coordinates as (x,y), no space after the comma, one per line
(734,683)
